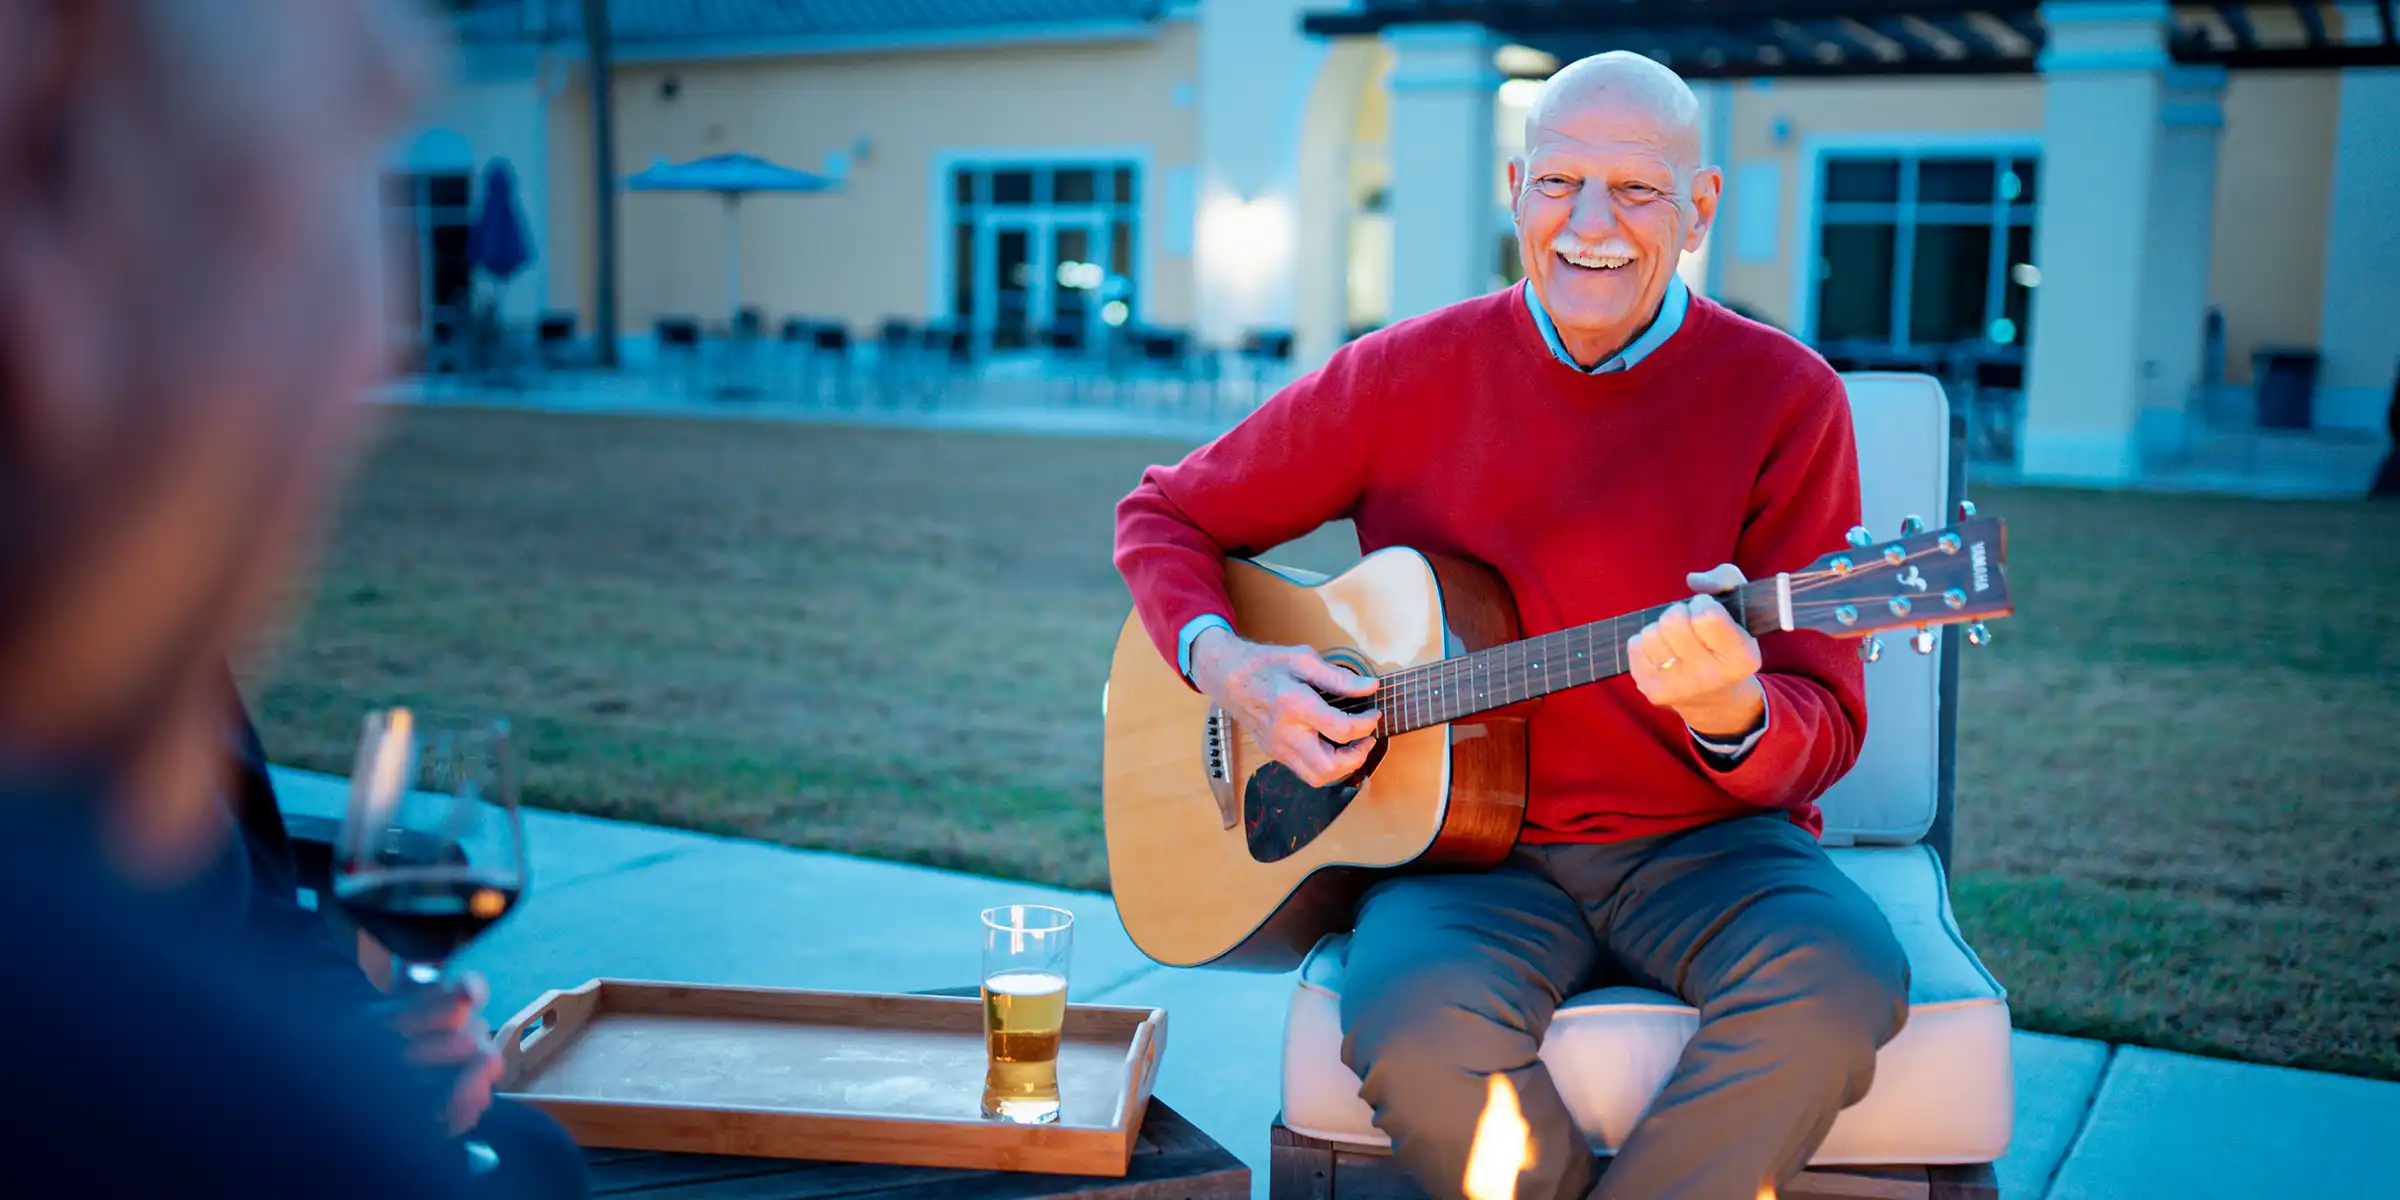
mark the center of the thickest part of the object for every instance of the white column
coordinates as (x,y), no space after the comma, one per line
(1443,85)
(2181,224)
(2360,329)
(1256,69)
(2103,97)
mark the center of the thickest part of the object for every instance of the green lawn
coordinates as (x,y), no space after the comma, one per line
(2178,762)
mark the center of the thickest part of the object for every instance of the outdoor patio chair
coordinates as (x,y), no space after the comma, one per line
(897,360)
(1168,356)
(1942,1106)
(829,351)
(679,348)
(554,338)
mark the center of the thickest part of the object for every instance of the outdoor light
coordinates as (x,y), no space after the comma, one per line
(1520,93)
(1114,313)
(2026,275)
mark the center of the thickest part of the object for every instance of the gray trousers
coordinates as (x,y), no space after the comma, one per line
(1796,974)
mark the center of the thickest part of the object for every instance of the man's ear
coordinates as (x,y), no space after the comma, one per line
(1516,182)
(1708,186)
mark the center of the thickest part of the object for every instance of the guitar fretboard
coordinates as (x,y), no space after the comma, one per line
(1455,688)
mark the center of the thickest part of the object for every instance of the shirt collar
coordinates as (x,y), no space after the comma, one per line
(1670,318)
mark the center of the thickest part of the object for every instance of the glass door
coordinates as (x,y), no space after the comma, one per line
(1078,254)
(1011,277)
(1039,278)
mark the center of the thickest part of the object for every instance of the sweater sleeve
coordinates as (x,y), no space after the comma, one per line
(1301,460)
(1805,499)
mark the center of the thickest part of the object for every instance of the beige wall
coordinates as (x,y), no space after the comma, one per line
(862,253)
(2274,168)
(2274,175)
(1816,108)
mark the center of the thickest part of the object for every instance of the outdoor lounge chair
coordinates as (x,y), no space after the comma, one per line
(1942,1105)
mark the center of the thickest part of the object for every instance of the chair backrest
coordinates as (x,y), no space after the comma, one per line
(1895,792)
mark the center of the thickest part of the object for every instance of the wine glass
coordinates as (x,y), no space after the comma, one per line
(432,851)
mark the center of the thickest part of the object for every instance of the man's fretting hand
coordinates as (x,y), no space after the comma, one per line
(1272,691)
(1697,660)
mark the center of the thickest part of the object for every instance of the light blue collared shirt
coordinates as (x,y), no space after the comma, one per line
(1671,311)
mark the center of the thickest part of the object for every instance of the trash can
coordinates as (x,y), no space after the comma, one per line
(2285,378)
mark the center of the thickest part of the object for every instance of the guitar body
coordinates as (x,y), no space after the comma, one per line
(1219,855)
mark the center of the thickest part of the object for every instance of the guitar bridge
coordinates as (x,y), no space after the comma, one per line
(1216,757)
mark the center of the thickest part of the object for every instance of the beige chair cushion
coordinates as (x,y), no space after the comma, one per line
(1902,425)
(1943,1091)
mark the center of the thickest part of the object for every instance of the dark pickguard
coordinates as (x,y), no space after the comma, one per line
(1282,812)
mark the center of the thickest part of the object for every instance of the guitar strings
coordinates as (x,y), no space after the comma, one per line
(1416,686)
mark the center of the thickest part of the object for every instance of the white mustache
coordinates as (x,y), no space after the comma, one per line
(1573,250)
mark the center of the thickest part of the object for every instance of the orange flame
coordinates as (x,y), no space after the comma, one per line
(1503,1145)
(1766,1191)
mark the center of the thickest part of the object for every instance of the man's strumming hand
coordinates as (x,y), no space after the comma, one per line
(1697,660)
(1274,692)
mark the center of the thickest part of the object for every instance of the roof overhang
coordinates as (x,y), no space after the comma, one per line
(1737,39)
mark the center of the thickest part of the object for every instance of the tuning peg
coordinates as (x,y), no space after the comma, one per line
(1870,648)
(1921,641)
(1978,635)
(1858,536)
(1911,525)
(1966,510)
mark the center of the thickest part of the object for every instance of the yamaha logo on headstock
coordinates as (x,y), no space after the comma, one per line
(1983,567)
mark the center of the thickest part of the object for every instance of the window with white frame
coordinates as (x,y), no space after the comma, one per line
(1926,252)
(1043,254)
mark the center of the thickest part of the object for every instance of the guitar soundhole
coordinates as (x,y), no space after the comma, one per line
(1282,812)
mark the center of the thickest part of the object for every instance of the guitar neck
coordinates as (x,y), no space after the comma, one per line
(1457,688)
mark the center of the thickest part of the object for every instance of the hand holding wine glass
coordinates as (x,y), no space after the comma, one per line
(431,855)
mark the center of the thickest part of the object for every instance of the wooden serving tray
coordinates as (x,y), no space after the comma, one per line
(838,1076)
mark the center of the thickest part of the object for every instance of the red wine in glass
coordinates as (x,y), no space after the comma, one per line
(432,851)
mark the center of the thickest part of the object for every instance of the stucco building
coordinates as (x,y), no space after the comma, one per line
(2113,205)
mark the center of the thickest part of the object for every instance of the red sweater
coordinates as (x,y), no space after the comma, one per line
(1592,495)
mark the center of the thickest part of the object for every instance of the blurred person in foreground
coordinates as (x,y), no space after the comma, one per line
(1597,435)
(189,310)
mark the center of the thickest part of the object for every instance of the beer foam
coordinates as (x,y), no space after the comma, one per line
(1025,983)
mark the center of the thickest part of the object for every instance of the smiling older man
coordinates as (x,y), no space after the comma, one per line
(1594,435)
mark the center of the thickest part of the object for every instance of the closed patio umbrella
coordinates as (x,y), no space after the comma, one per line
(497,242)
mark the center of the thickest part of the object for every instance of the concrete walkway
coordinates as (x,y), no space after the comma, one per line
(614,899)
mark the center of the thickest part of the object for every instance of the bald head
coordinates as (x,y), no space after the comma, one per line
(1609,195)
(1621,85)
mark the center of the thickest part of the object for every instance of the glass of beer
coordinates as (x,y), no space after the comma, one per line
(1025,950)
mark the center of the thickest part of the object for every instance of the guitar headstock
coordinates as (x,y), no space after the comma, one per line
(1918,580)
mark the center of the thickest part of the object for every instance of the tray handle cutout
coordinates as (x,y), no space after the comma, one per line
(540,1027)
(535,1031)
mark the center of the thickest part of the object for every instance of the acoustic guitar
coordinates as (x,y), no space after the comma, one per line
(1220,855)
